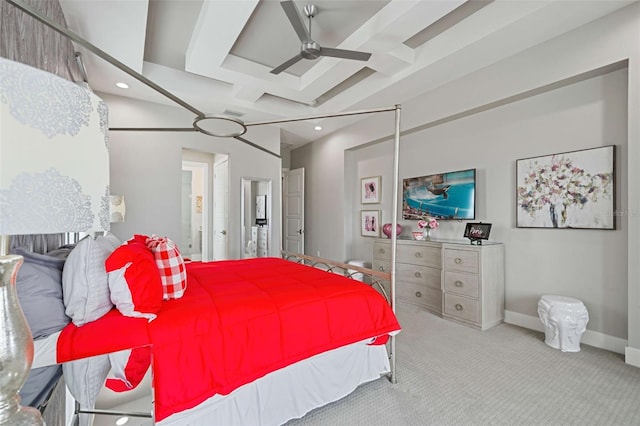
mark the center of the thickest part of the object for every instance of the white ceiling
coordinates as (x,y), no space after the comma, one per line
(216,54)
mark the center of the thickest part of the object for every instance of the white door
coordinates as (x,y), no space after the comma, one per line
(293,189)
(220,209)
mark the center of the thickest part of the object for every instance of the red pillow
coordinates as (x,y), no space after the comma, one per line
(128,367)
(138,238)
(173,273)
(134,280)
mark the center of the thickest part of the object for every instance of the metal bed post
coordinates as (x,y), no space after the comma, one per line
(394,222)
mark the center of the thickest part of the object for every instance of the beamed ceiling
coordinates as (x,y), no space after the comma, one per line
(217,54)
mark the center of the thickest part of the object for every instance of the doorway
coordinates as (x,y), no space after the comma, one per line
(205,197)
(255,216)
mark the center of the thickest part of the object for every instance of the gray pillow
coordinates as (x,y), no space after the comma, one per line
(84,279)
(39,288)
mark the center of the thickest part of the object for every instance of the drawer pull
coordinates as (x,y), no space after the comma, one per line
(417,275)
(458,283)
(458,307)
(418,254)
(418,294)
(458,260)
(381,268)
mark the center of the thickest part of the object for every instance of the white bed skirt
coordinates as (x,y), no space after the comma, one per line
(291,392)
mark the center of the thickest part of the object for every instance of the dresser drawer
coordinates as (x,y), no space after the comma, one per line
(419,255)
(382,251)
(461,260)
(383,266)
(422,275)
(262,244)
(424,297)
(464,284)
(462,308)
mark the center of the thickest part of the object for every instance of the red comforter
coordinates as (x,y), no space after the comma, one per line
(238,320)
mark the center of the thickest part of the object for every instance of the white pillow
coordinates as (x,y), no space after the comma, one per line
(85,285)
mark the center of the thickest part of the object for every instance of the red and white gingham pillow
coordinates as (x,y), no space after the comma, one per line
(171,266)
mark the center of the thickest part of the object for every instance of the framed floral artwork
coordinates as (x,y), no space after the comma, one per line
(573,190)
(370,223)
(370,190)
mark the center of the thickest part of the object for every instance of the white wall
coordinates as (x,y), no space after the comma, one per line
(146,167)
(598,111)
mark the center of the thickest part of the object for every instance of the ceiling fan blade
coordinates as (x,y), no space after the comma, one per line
(285,65)
(345,54)
(296,20)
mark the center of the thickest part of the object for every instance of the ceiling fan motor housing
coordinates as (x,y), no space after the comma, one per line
(310,50)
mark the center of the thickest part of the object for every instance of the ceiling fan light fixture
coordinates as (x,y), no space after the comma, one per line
(309,48)
(220,126)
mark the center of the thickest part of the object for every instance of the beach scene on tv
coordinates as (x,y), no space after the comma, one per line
(443,196)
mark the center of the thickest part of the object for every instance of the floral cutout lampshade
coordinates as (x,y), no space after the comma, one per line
(54,158)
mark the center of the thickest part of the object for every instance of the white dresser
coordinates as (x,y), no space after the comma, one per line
(418,271)
(262,247)
(454,279)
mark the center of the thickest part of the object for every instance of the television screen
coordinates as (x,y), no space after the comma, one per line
(443,196)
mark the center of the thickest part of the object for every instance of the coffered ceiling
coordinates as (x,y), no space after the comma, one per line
(217,54)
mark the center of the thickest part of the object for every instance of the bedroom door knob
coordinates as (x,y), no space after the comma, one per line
(300,231)
(223,232)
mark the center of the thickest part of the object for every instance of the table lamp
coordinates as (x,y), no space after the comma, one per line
(54,177)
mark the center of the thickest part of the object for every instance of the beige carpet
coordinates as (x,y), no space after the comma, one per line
(449,374)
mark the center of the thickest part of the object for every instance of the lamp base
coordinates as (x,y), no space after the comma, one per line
(16,349)
(21,416)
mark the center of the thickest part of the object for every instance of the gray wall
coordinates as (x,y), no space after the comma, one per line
(572,92)
(586,264)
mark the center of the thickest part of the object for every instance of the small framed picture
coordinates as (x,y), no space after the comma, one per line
(370,223)
(261,210)
(476,232)
(370,190)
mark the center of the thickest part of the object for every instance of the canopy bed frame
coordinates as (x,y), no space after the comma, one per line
(221,126)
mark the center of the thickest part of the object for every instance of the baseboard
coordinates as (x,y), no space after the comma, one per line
(632,356)
(591,338)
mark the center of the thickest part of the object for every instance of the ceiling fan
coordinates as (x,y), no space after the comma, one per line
(310,49)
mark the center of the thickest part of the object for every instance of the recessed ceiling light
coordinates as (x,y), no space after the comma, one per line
(318,128)
(122,420)
(122,86)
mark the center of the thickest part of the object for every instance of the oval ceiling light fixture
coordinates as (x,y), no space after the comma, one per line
(220,126)
(122,85)
(317,127)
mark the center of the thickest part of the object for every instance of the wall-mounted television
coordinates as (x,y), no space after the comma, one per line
(444,196)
